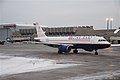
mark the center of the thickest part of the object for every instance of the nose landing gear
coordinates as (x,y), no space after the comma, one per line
(96,53)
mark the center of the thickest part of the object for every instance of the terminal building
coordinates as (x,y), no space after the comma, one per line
(28,32)
(6,32)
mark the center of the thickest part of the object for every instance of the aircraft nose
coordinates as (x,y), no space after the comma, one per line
(108,44)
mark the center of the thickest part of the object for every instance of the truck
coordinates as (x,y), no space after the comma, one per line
(2,42)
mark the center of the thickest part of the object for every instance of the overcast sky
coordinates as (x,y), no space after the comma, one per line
(61,12)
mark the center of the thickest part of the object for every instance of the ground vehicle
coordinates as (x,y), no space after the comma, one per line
(2,42)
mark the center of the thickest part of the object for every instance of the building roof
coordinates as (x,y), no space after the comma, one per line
(7,25)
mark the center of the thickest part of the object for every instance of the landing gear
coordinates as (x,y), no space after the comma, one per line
(75,51)
(60,52)
(96,53)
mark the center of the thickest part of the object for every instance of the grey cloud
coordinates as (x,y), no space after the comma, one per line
(61,12)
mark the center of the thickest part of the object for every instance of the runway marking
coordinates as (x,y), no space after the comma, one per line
(15,65)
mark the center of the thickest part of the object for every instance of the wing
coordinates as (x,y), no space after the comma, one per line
(58,45)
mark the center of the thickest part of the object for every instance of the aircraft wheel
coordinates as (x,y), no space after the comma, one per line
(59,52)
(96,53)
(75,51)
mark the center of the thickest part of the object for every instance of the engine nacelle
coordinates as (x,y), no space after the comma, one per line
(64,48)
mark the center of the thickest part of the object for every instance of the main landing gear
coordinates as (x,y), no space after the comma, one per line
(75,51)
(60,52)
(96,53)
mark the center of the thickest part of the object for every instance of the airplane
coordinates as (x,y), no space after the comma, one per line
(66,43)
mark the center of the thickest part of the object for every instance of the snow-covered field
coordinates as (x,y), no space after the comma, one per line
(13,65)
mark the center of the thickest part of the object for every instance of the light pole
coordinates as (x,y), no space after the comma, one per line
(111,23)
(107,23)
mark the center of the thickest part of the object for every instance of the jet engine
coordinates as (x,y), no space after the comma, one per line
(64,48)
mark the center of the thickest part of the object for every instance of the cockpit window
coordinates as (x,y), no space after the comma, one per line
(101,40)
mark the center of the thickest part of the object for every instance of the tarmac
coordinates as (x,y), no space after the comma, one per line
(21,61)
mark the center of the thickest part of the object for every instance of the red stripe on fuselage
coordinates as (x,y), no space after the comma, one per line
(74,43)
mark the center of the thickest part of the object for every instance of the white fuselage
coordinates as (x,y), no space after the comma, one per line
(66,43)
(74,40)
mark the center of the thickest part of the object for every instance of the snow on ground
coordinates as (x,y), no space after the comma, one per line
(13,65)
(97,76)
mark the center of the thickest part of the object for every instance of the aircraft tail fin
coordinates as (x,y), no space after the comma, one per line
(40,32)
